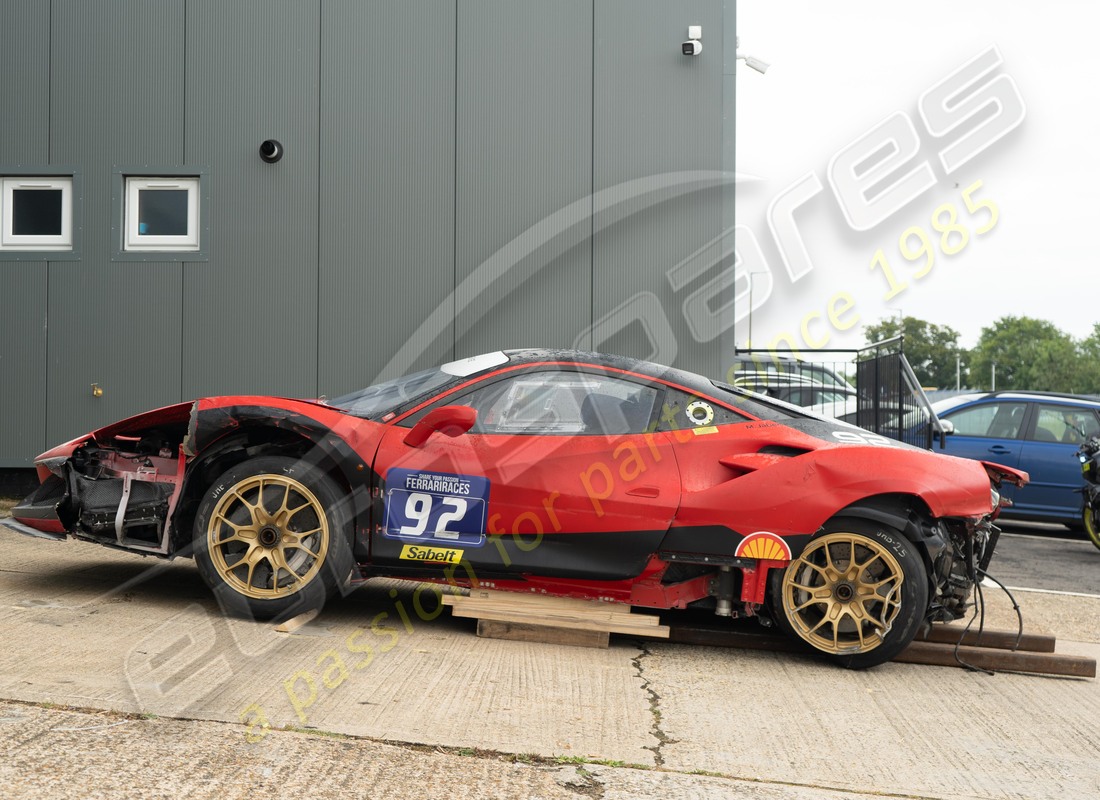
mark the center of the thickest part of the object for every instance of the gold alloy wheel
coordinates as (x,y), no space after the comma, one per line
(268,536)
(843,593)
(1088,518)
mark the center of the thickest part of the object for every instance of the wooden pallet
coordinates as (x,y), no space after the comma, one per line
(555,620)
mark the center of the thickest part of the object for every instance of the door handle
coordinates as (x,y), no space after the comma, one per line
(644,491)
(1000,450)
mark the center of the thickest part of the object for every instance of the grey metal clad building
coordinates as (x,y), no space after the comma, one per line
(452,177)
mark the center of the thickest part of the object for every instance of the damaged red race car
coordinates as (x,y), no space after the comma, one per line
(557,472)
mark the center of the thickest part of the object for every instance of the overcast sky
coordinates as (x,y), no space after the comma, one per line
(1028,130)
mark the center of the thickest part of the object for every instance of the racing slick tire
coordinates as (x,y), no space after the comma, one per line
(1090,524)
(861,611)
(272,538)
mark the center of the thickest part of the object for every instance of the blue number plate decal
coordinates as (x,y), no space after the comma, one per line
(436,507)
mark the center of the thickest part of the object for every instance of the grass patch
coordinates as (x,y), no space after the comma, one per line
(316,732)
(603,762)
(6,505)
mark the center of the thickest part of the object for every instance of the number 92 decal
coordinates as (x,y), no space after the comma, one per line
(857,437)
(436,507)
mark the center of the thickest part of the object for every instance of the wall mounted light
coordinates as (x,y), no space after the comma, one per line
(271,150)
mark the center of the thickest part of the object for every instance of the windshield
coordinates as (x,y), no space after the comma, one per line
(375,401)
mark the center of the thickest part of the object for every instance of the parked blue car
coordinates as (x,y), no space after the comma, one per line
(1033,431)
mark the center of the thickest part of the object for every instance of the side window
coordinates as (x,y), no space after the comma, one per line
(161,214)
(994,420)
(682,411)
(567,403)
(36,213)
(1065,424)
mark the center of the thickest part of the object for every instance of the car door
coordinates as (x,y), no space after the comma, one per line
(561,474)
(709,440)
(1048,454)
(989,430)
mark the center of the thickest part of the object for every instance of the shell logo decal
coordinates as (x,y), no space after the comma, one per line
(763,546)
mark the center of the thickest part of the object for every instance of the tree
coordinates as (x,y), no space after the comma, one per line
(1029,354)
(932,350)
(1088,362)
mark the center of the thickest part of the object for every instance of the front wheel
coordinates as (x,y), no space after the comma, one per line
(1090,523)
(272,538)
(857,593)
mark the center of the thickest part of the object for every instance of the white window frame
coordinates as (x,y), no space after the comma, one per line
(133,241)
(58,242)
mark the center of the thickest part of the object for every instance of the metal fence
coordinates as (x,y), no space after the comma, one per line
(873,387)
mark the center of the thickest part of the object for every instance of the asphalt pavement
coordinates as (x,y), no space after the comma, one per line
(1035,555)
(119,677)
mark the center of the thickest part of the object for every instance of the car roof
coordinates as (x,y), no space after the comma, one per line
(689,380)
(949,403)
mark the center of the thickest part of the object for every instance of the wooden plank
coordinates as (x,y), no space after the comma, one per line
(561,620)
(944,655)
(550,610)
(584,615)
(549,604)
(919,652)
(294,623)
(1030,642)
(519,632)
(624,626)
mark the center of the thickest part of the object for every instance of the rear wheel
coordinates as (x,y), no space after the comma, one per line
(1090,523)
(271,538)
(857,593)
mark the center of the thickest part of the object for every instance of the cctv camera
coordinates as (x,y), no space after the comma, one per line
(692,47)
(756,64)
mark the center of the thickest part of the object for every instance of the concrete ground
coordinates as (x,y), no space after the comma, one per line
(119,677)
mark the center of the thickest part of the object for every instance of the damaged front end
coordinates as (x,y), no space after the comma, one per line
(117,486)
(961,565)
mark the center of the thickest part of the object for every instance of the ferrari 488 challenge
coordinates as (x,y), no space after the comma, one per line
(557,472)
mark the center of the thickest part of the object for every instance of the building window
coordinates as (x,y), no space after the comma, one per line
(36,213)
(162,214)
